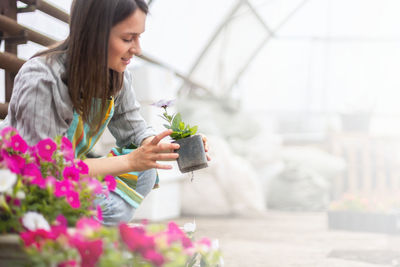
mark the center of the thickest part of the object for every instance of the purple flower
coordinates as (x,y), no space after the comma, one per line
(18,144)
(46,148)
(71,173)
(164,103)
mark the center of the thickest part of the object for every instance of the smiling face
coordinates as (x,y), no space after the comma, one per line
(124,40)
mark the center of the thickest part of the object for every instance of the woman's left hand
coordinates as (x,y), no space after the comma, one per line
(205,143)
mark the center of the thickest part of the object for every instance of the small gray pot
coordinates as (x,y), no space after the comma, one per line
(191,154)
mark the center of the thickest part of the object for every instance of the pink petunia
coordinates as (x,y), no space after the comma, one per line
(40,182)
(84,224)
(93,185)
(69,263)
(14,162)
(110,182)
(18,144)
(136,239)
(51,182)
(63,188)
(99,213)
(71,173)
(59,227)
(82,167)
(46,148)
(36,238)
(90,251)
(32,170)
(154,257)
(174,233)
(67,149)
(7,131)
(205,241)
(73,199)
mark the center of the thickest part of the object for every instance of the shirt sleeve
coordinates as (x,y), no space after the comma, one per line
(39,108)
(127,125)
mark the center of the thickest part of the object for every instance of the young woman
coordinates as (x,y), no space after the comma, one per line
(79,87)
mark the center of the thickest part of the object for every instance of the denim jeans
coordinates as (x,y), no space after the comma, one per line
(115,209)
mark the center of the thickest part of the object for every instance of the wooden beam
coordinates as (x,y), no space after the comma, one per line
(11,27)
(48,9)
(10,46)
(10,62)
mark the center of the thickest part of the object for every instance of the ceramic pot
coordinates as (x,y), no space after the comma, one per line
(191,154)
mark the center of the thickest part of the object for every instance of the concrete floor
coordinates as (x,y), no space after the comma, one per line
(280,239)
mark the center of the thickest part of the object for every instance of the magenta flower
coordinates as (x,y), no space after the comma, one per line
(82,167)
(93,184)
(90,251)
(73,199)
(154,257)
(110,182)
(36,238)
(70,263)
(51,182)
(87,224)
(99,213)
(59,227)
(67,149)
(71,173)
(6,131)
(136,239)
(46,148)
(14,162)
(18,144)
(63,188)
(174,233)
(40,182)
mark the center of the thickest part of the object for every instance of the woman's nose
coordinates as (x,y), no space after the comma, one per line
(136,48)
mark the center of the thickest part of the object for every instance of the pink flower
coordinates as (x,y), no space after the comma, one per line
(110,182)
(154,257)
(205,241)
(82,167)
(93,184)
(40,182)
(87,224)
(14,162)
(70,263)
(90,251)
(51,182)
(73,199)
(59,227)
(18,144)
(32,170)
(36,238)
(71,173)
(67,149)
(6,131)
(99,213)
(174,233)
(63,188)
(136,239)
(46,148)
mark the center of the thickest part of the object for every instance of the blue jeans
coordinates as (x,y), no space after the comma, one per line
(115,209)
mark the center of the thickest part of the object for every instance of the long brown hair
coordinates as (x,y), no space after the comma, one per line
(87,73)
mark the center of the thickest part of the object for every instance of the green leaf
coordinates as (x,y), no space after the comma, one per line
(193,130)
(181,126)
(167,126)
(176,121)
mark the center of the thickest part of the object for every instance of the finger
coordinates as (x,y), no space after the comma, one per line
(160,136)
(163,167)
(167,156)
(167,147)
(208,157)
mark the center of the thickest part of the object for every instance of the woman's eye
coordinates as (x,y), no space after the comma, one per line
(127,40)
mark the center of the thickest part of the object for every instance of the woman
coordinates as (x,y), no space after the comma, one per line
(79,87)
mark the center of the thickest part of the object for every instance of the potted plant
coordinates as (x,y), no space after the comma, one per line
(191,152)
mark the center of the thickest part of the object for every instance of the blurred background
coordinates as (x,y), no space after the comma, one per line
(298,99)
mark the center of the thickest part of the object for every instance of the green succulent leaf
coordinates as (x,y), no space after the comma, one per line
(193,130)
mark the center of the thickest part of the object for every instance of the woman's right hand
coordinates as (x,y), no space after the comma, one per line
(146,156)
